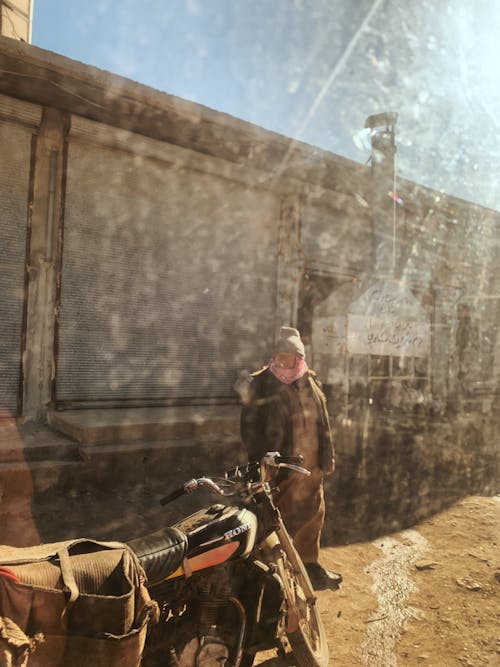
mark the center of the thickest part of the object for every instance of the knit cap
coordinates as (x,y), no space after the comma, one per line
(289,341)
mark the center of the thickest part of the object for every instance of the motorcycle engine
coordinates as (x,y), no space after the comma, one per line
(210,620)
(204,652)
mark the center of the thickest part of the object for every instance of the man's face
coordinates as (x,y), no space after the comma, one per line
(284,360)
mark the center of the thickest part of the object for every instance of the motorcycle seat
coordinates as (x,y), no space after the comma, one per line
(160,553)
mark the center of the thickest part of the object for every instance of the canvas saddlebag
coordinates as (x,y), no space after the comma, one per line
(77,603)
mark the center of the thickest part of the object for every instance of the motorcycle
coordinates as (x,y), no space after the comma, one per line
(228,580)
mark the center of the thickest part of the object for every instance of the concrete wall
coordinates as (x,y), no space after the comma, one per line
(16,18)
(191,224)
(129,199)
(391,476)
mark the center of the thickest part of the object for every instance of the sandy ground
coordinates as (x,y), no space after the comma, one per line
(426,596)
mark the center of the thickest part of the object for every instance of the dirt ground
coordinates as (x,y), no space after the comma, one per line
(426,596)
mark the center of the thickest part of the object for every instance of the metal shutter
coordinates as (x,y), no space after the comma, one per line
(15,153)
(168,279)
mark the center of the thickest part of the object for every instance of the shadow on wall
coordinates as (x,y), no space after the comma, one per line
(390,477)
(17,525)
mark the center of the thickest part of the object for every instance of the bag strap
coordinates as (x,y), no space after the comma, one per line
(42,552)
(69,581)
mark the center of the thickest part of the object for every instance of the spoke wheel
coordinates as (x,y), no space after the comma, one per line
(308,641)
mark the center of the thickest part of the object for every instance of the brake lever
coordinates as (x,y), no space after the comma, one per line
(292,466)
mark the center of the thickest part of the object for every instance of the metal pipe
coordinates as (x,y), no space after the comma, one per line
(243,626)
(384,191)
(49,238)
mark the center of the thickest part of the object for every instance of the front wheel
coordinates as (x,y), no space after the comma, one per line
(308,640)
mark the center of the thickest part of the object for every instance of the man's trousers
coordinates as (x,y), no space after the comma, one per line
(301,502)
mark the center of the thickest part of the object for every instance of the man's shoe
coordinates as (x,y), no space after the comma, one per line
(322,579)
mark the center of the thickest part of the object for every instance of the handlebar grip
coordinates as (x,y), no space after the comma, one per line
(293,460)
(172,496)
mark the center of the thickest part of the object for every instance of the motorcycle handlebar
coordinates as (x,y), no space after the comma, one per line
(189,487)
(293,460)
(274,459)
(172,496)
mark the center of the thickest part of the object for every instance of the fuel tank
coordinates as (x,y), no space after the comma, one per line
(216,534)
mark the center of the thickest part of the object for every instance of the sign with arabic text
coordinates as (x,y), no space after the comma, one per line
(388,335)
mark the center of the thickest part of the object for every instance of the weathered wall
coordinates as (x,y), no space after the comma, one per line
(387,478)
(191,225)
(15,153)
(16,18)
(152,229)
(391,476)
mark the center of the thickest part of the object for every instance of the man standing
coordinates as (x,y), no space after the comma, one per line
(285,410)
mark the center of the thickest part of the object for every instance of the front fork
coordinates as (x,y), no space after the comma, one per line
(280,551)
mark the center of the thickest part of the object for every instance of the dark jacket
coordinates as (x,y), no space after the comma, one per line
(266,418)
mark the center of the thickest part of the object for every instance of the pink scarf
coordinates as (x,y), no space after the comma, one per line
(289,375)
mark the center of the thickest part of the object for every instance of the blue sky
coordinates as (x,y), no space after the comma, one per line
(315,69)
